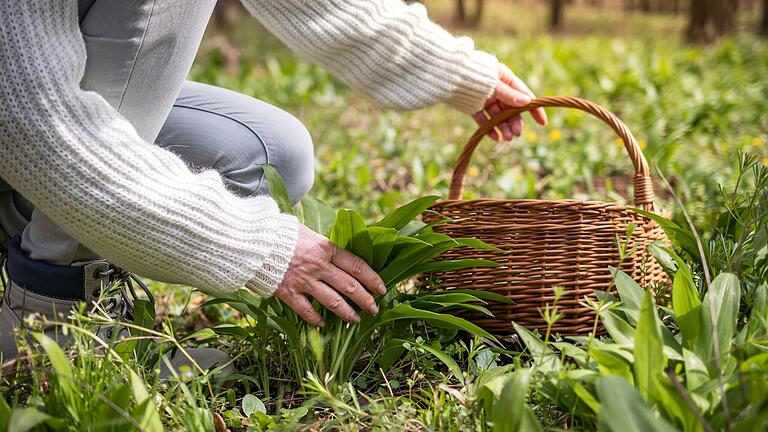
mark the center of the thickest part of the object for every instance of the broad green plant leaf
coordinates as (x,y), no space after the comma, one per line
(686,303)
(447,360)
(146,413)
(402,216)
(629,291)
(544,358)
(649,357)
(277,189)
(317,215)
(348,223)
(619,330)
(720,307)
(511,412)
(623,409)
(382,240)
(405,311)
(681,237)
(26,419)
(62,367)
(5,414)
(252,404)
(612,362)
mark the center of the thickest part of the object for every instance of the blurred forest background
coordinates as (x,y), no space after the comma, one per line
(689,77)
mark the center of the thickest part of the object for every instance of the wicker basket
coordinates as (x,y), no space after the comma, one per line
(552,243)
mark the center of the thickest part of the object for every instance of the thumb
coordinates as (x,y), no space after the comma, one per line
(509,96)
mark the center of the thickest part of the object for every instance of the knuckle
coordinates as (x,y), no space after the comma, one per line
(307,312)
(329,249)
(350,286)
(358,267)
(335,303)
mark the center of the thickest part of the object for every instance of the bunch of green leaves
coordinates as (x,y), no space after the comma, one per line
(398,247)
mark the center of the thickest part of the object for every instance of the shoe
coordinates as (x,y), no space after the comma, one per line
(51,291)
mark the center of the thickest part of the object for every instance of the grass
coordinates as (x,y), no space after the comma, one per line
(693,109)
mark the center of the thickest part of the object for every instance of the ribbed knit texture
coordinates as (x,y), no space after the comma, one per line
(386,49)
(74,157)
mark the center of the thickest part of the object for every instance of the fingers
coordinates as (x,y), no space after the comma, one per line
(331,299)
(354,266)
(481,119)
(516,125)
(508,95)
(350,288)
(303,307)
(508,77)
(506,131)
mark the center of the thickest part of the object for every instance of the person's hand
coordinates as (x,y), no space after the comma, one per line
(510,92)
(321,270)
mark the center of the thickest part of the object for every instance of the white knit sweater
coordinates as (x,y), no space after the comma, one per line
(73,156)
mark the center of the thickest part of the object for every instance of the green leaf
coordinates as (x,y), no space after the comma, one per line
(623,409)
(629,291)
(146,412)
(488,296)
(26,419)
(5,414)
(686,303)
(681,237)
(511,412)
(252,404)
(447,360)
(450,265)
(543,357)
(383,240)
(611,362)
(649,358)
(361,245)
(405,311)
(402,216)
(277,189)
(721,307)
(346,225)
(317,215)
(61,366)
(619,330)
(663,256)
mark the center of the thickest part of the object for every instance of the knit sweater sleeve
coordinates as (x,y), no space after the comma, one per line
(80,162)
(386,49)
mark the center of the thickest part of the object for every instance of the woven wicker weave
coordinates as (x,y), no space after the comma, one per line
(552,243)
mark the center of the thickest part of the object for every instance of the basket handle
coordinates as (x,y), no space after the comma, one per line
(644,195)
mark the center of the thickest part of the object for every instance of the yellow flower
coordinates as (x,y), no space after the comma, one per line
(555,135)
(619,142)
(531,137)
(765,161)
(643,144)
(473,171)
(758,141)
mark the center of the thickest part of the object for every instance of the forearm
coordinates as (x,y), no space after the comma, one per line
(82,164)
(387,49)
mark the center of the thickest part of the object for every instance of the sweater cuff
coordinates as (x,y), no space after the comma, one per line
(480,75)
(273,269)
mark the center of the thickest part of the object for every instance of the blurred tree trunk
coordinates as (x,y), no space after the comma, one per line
(764,21)
(709,20)
(222,13)
(470,19)
(461,12)
(556,14)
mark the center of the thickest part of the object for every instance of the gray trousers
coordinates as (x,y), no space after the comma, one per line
(139,54)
